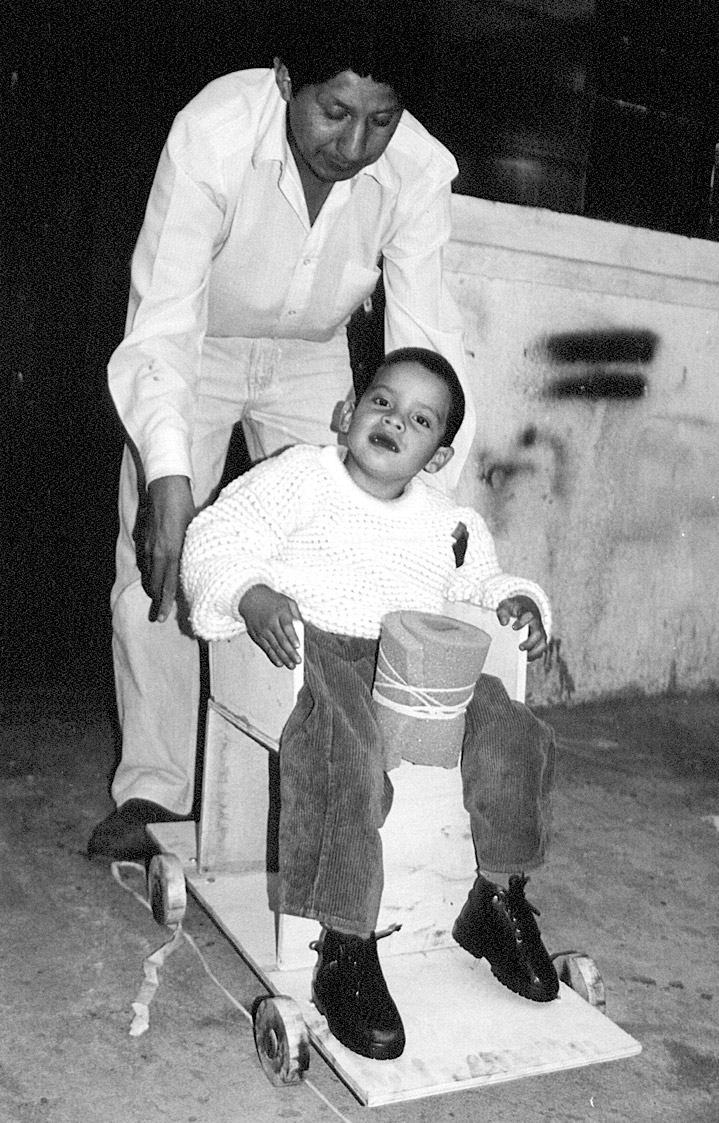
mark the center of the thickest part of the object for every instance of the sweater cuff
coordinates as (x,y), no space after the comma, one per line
(217,615)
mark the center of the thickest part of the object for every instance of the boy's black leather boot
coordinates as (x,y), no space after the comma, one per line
(349,989)
(498,925)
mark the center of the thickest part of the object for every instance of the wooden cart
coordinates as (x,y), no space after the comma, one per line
(463,1028)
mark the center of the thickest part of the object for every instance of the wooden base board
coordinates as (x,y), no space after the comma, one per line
(463,1028)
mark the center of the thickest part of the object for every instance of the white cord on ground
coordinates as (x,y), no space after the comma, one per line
(152,964)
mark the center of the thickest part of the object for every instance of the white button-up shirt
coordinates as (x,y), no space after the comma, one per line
(227,252)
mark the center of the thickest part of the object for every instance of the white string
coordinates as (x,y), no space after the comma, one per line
(151,965)
(248,1015)
(427,706)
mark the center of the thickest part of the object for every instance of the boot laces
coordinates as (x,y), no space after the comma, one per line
(514,904)
(387,931)
(516,897)
(316,945)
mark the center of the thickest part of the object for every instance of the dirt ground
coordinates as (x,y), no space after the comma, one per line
(632,879)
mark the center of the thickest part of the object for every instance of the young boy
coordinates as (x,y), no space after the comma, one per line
(337,538)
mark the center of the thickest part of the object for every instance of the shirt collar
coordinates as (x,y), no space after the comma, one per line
(383,171)
(271,143)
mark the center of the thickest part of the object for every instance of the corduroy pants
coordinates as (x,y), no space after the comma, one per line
(335,793)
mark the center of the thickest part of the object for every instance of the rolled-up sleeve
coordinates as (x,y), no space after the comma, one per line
(153,373)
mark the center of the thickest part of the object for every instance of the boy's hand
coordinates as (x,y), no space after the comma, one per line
(269,618)
(526,614)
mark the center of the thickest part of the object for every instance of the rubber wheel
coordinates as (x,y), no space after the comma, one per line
(581,973)
(166,889)
(281,1039)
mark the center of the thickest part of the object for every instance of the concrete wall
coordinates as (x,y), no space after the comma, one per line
(593,359)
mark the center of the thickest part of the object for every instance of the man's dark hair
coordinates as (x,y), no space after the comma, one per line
(378,39)
(436,364)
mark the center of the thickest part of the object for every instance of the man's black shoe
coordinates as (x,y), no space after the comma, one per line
(122,837)
(498,925)
(349,989)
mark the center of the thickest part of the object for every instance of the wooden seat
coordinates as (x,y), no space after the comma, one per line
(428,854)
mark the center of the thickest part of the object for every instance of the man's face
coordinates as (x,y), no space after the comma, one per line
(396,429)
(339,127)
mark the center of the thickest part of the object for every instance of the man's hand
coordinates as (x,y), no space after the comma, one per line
(269,618)
(525,614)
(170,510)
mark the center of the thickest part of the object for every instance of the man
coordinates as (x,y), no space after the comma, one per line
(276,195)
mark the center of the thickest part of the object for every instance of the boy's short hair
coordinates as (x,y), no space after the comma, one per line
(436,364)
(380,39)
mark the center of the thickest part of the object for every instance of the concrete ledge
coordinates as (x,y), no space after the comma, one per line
(593,354)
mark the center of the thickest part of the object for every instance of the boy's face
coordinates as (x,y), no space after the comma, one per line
(396,429)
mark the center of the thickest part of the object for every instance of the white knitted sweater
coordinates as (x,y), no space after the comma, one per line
(298,523)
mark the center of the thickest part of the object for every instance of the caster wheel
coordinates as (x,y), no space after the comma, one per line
(166,889)
(281,1039)
(581,973)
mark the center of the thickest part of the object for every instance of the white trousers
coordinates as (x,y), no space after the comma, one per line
(285,392)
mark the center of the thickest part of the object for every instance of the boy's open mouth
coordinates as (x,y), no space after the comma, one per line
(384,440)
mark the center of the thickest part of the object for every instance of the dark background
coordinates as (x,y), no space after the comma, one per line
(607,109)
